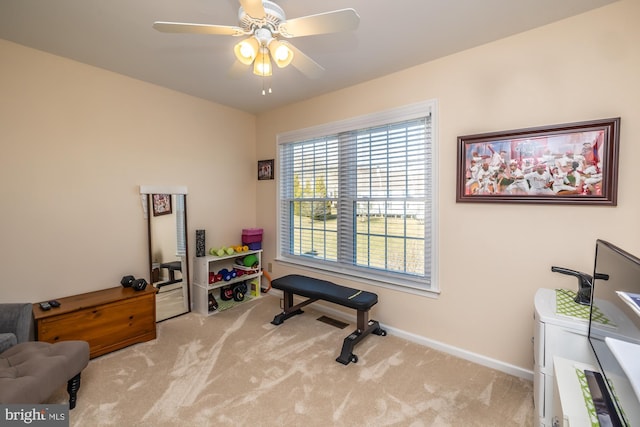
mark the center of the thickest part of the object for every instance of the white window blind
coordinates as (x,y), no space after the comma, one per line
(181,232)
(355,197)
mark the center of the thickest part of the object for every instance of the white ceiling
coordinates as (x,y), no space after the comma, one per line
(393,34)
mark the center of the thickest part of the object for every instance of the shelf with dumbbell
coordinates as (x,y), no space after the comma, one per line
(222,282)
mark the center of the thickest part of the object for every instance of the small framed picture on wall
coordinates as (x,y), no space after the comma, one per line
(265,169)
(161,204)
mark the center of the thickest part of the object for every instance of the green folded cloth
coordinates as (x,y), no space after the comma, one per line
(566,306)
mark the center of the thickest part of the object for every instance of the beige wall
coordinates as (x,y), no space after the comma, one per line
(493,257)
(77,141)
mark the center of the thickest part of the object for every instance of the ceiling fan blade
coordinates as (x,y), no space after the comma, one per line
(183,27)
(322,23)
(304,64)
(253,8)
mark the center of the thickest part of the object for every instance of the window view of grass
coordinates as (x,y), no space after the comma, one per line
(393,243)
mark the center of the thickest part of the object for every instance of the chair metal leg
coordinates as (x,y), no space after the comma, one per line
(73,385)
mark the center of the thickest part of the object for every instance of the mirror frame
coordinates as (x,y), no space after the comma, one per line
(145,194)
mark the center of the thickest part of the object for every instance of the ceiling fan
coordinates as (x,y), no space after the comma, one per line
(264,26)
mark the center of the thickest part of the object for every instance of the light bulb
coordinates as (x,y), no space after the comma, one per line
(246,50)
(281,53)
(262,63)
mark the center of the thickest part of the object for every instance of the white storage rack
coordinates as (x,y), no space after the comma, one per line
(213,264)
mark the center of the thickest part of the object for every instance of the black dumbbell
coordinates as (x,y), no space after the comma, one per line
(213,304)
(132,282)
(239,292)
(139,284)
(226,293)
(127,281)
(244,287)
(238,295)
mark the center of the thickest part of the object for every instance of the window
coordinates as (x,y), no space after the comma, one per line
(181,233)
(356,197)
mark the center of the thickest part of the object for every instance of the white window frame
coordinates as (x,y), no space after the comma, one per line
(408,112)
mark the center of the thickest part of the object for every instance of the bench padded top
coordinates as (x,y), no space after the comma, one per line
(325,290)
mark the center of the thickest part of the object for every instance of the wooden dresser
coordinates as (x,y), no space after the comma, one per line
(108,320)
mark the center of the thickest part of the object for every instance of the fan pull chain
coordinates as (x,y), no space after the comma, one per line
(264,91)
(266,58)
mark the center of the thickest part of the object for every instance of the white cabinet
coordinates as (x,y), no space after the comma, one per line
(204,282)
(557,332)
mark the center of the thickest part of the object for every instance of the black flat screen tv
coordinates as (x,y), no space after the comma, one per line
(614,335)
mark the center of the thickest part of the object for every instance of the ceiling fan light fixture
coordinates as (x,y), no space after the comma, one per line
(262,63)
(264,24)
(280,53)
(247,50)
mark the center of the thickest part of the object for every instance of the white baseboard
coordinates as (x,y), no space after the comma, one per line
(427,342)
(463,354)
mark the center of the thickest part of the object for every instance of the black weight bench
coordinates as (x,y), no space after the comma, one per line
(316,289)
(172,267)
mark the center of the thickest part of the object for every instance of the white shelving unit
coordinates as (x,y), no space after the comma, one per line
(213,264)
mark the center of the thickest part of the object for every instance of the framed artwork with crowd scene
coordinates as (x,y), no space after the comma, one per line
(574,163)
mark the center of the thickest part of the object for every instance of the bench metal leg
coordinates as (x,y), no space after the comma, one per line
(365,327)
(290,310)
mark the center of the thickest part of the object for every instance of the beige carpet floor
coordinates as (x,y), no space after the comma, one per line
(236,369)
